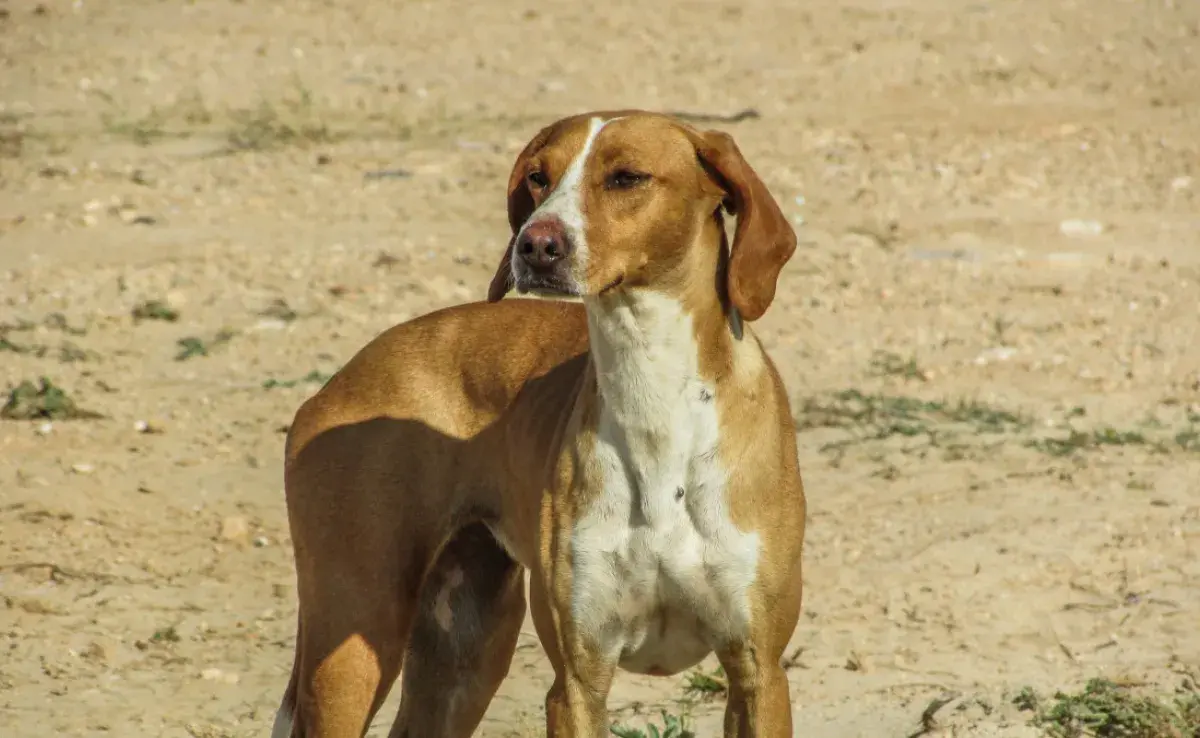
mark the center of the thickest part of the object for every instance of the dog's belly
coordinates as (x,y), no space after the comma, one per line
(662,597)
(667,642)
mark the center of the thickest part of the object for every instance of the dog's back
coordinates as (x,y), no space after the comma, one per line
(402,373)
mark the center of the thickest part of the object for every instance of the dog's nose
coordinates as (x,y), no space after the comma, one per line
(544,244)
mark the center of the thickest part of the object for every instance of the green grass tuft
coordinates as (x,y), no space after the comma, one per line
(192,346)
(43,401)
(313,377)
(1104,709)
(705,685)
(674,726)
(155,310)
(879,416)
(1087,441)
(271,125)
(888,364)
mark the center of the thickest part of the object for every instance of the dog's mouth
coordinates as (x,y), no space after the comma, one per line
(545,286)
(611,285)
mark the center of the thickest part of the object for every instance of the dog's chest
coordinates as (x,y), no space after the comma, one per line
(659,570)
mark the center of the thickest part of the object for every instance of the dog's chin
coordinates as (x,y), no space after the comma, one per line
(545,287)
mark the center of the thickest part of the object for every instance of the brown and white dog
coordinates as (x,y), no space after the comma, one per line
(635,453)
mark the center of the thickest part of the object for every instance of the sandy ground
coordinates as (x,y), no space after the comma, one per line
(1000,209)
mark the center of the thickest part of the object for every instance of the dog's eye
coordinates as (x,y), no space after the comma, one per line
(623,179)
(538,179)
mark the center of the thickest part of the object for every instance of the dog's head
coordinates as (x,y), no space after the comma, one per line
(610,201)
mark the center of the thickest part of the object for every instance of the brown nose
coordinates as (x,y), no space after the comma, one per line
(544,244)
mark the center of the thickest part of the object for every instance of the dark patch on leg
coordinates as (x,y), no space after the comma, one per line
(471,609)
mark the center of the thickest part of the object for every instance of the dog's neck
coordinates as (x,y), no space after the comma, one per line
(642,342)
(647,344)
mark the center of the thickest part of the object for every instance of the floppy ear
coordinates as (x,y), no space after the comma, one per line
(520,207)
(763,240)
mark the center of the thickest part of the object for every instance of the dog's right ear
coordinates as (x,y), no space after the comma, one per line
(520,207)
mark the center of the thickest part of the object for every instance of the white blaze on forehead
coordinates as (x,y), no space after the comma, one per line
(566,201)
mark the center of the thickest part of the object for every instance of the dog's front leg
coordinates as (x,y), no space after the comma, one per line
(759,705)
(759,702)
(577,704)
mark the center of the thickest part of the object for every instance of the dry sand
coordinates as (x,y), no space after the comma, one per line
(1000,206)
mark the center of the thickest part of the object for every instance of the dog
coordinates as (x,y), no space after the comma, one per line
(631,448)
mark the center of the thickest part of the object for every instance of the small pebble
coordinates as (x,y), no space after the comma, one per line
(262,542)
(1077,228)
(234,528)
(83,468)
(999,353)
(102,650)
(44,429)
(216,675)
(270,324)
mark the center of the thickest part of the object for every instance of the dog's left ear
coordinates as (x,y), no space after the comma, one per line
(763,240)
(520,207)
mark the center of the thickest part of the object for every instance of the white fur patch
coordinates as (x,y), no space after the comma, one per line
(441,608)
(660,571)
(566,203)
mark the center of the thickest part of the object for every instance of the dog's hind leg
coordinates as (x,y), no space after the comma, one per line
(463,637)
(358,596)
(348,660)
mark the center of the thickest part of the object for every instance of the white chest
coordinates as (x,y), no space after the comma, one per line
(660,572)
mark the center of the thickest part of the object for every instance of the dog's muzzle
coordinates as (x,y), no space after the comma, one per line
(542,258)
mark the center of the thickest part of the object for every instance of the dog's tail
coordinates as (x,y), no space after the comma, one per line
(285,717)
